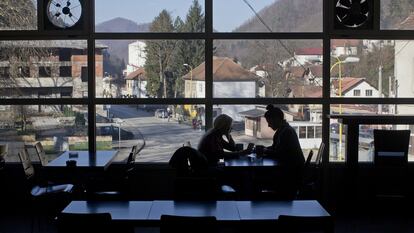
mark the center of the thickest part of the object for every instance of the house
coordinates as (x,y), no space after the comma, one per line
(231,80)
(136,83)
(307,56)
(344,47)
(353,87)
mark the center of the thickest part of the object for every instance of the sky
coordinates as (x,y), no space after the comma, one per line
(227,14)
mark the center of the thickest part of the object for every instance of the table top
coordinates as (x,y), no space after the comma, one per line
(120,210)
(222,210)
(250,161)
(262,210)
(85,159)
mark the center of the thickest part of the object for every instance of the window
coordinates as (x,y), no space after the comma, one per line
(187,65)
(45,72)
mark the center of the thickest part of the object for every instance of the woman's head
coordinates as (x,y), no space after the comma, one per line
(223,123)
(274,117)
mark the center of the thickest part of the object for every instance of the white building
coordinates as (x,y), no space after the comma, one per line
(135,84)
(136,56)
(354,87)
(307,56)
(343,47)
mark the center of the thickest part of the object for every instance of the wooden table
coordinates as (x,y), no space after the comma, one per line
(84,159)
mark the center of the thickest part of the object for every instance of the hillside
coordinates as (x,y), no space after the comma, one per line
(281,16)
(119,48)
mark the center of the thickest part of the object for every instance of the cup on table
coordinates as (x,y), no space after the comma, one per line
(239,146)
(259,150)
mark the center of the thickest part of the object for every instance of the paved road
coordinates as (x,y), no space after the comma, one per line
(162,137)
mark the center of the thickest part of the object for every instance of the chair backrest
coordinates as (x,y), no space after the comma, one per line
(41,153)
(319,156)
(186,224)
(308,159)
(187,160)
(96,222)
(297,224)
(27,164)
(391,147)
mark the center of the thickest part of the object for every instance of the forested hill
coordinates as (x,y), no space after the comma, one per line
(287,16)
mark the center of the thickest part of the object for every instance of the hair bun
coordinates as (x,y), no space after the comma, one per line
(269,107)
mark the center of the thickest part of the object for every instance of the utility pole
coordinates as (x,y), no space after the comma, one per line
(380,88)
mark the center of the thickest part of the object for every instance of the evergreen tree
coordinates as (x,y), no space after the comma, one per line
(188,51)
(159,56)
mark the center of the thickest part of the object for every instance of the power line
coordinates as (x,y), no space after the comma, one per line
(270,30)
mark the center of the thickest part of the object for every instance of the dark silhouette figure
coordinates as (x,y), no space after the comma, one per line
(213,145)
(286,149)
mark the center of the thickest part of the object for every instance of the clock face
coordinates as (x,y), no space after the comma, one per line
(353,14)
(64,13)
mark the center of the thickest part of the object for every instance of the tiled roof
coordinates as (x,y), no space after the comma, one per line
(253,113)
(345,43)
(224,69)
(298,71)
(138,73)
(300,91)
(347,83)
(309,51)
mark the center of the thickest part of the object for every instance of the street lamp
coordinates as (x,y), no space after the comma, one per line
(339,62)
(191,85)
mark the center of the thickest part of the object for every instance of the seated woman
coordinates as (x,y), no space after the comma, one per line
(213,145)
(286,149)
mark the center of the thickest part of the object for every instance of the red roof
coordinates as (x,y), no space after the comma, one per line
(224,69)
(298,71)
(300,91)
(309,51)
(345,43)
(347,83)
(138,73)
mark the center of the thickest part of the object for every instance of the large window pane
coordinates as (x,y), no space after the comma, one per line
(160,129)
(267,68)
(149,16)
(338,132)
(397,14)
(278,16)
(57,127)
(151,69)
(44,69)
(250,125)
(18,15)
(372,68)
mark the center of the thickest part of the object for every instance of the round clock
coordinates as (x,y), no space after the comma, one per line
(64,13)
(352,13)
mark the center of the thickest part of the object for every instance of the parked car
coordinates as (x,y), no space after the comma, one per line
(161,113)
(113,131)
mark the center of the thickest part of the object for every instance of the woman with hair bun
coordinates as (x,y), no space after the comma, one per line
(286,150)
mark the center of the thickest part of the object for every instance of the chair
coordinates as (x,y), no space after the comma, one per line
(390,163)
(40,190)
(319,156)
(297,224)
(194,179)
(122,181)
(41,154)
(3,154)
(186,224)
(88,222)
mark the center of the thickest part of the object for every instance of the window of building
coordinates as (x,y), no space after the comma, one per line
(45,71)
(65,71)
(302,131)
(357,92)
(368,92)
